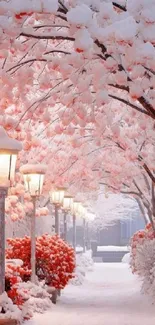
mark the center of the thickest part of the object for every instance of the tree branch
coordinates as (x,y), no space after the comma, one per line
(147,106)
(48,37)
(123,192)
(124,101)
(149,172)
(153,199)
(119,6)
(140,204)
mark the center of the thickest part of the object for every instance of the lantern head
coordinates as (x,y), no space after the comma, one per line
(9,149)
(33,178)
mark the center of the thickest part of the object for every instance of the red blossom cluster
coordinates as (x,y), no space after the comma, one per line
(14,275)
(138,239)
(55,260)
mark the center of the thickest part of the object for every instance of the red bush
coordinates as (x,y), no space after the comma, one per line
(55,260)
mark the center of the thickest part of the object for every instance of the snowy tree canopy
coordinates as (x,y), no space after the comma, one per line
(77,89)
(113,208)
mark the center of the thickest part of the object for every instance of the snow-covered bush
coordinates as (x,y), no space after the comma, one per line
(28,297)
(55,259)
(35,297)
(143,259)
(84,264)
(9,310)
(85,261)
(126,258)
(79,277)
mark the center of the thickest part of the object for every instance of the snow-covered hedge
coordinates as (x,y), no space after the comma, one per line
(126,258)
(32,298)
(9,310)
(143,259)
(85,261)
(84,264)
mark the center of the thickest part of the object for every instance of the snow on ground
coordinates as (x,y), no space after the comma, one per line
(112,248)
(79,249)
(109,296)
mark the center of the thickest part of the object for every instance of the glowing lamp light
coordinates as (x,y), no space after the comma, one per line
(76,207)
(67,202)
(9,149)
(82,211)
(57,196)
(33,178)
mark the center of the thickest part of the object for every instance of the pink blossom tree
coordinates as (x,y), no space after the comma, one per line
(77,88)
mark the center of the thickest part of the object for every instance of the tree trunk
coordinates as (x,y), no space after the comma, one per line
(142,209)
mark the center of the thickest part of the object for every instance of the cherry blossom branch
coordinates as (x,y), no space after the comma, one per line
(26,62)
(122,191)
(50,26)
(139,197)
(146,168)
(115,4)
(20,64)
(48,37)
(150,174)
(143,101)
(68,167)
(45,97)
(147,106)
(146,182)
(126,102)
(153,199)
(63,7)
(142,209)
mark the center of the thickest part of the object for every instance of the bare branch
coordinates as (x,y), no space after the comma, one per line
(115,4)
(142,209)
(48,37)
(126,102)
(123,192)
(147,106)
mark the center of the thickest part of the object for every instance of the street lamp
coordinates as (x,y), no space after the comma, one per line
(75,210)
(89,218)
(33,179)
(9,149)
(67,206)
(82,213)
(56,198)
(67,202)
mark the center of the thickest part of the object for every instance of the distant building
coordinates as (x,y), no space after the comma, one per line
(120,233)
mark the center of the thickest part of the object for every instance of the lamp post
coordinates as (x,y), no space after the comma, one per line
(75,210)
(9,149)
(33,179)
(83,212)
(84,235)
(56,198)
(65,225)
(67,206)
(89,218)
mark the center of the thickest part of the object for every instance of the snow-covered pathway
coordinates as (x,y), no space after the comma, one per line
(109,296)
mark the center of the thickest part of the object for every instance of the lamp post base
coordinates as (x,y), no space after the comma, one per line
(74,232)
(8,321)
(3,194)
(33,241)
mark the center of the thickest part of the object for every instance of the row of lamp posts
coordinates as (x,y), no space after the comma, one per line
(67,204)
(33,180)
(9,149)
